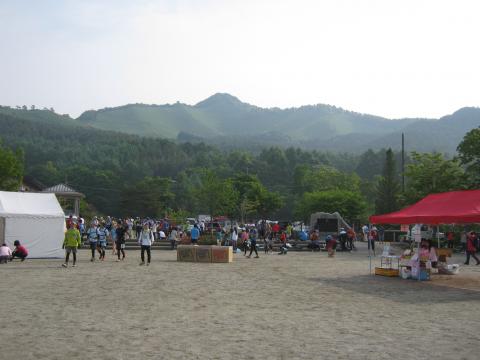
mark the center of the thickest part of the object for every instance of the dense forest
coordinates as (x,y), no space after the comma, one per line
(125,174)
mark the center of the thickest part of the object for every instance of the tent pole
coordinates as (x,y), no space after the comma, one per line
(438,237)
(369,252)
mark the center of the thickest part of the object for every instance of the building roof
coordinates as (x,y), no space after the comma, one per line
(63,190)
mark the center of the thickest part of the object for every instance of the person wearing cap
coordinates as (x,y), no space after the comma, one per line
(145,240)
(71,242)
(20,251)
(92,236)
(102,240)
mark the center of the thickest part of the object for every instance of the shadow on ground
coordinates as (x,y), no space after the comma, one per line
(399,290)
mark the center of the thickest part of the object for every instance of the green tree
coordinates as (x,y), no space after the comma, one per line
(349,204)
(269,202)
(469,155)
(323,178)
(215,195)
(150,197)
(431,173)
(388,187)
(11,169)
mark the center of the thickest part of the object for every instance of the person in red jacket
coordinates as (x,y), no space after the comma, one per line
(20,251)
(471,248)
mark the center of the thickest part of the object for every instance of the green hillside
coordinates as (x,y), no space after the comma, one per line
(225,115)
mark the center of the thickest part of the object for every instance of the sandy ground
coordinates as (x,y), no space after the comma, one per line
(299,306)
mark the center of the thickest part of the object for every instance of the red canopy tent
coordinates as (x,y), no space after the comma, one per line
(454,207)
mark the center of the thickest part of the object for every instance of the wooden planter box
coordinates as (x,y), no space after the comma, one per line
(205,253)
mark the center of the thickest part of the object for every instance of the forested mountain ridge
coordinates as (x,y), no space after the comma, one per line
(225,121)
(119,171)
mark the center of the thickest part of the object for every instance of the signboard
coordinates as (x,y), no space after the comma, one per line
(404,228)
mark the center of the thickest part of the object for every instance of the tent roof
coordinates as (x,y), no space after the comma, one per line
(29,204)
(454,207)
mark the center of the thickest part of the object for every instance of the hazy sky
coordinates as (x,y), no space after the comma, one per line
(403,58)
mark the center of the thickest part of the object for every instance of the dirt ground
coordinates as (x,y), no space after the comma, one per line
(299,306)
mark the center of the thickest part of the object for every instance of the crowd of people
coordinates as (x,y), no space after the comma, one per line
(101,232)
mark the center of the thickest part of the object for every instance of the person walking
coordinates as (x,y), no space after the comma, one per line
(173,237)
(145,240)
(102,240)
(92,236)
(471,247)
(113,237)
(351,235)
(253,242)
(372,237)
(234,239)
(120,244)
(71,242)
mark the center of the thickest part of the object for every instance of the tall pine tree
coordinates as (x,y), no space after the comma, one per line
(388,187)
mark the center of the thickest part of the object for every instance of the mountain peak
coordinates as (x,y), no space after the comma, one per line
(220,99)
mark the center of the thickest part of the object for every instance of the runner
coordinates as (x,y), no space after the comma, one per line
(102,240)
(120,244)
(253,242)
(92,236)
(72,241)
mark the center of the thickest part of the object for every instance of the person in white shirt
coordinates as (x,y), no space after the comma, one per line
(173,237)
(365,231)
(145,240)
(234,239)
(5,253)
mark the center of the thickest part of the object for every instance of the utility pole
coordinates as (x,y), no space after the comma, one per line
(403,162)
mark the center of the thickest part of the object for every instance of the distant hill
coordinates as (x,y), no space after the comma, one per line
(225,121)
(225,115)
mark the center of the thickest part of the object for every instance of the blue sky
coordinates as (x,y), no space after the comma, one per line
(385,57)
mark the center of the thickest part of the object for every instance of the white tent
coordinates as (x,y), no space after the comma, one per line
(36,219)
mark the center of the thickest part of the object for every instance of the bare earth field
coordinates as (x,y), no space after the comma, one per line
(300,306)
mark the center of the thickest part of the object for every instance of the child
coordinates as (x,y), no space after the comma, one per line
(331,245)
(219,237)
(20,251)
(5,253)
(283,246)
(71,242)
